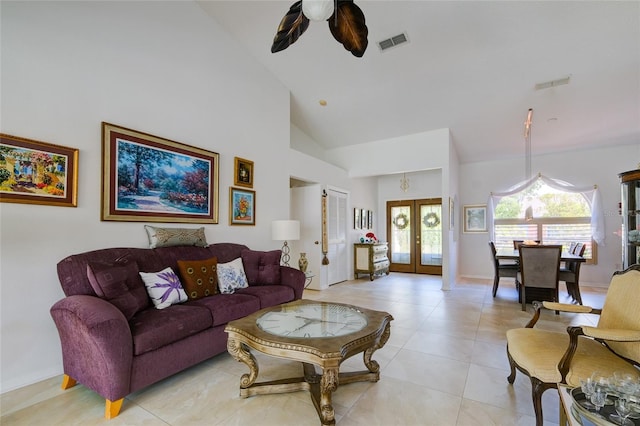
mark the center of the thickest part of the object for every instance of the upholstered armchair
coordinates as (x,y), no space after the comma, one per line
(550,357)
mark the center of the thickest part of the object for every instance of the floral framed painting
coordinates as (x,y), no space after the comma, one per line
(242,206)
(34,172)
(475,218)
(147,178)
(243,173)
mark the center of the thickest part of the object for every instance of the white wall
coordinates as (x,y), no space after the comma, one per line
(163,68)
(588,167)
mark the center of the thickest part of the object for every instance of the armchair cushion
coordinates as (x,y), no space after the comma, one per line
(262,267)
(119,284)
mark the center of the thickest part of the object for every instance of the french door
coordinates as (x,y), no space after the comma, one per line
(414,232)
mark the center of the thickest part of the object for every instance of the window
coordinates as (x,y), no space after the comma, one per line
(559,217)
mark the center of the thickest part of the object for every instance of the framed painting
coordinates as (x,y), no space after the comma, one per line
(356,219)
(242,206)
(147,178)
(243,173)
(34,172)
(370,219)
(363,218)
(475,218)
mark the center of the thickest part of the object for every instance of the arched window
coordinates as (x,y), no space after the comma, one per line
(562,214)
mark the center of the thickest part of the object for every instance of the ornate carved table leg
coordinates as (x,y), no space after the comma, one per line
(241,354)
(373,365)
(328,384)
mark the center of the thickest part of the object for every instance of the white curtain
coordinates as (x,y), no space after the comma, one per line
(591,194)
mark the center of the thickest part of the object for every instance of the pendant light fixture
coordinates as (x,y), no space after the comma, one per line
(528,213)
(404,183)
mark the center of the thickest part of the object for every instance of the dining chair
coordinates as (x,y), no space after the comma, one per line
(518,243)
(552,357)
(570,274)
(509,270)
(539,270)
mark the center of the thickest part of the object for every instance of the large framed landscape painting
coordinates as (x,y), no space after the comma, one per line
(33,172)
(147,178)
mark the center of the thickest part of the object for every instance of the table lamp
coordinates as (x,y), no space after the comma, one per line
(285,230)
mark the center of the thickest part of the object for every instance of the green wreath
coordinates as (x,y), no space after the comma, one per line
(431,220)
(401,221)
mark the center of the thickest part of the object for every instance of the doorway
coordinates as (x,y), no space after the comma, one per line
(414,232)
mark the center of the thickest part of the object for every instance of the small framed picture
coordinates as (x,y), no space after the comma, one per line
(243,173)
(356,219)
(242,206)
(475,218)
(363,217)
(370,219)
(33,172)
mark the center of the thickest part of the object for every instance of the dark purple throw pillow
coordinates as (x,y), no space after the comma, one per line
(120,284)
(261,267)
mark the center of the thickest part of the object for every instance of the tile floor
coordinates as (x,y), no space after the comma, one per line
(445,364)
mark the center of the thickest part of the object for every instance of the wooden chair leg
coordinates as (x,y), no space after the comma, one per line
(495,285)
(68,382)
(112,408)
(512,365)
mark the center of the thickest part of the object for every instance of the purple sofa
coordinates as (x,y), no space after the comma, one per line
(115,356)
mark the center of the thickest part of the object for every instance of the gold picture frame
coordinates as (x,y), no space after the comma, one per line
(243,173)
(34,172)
(146,178)
(242,206)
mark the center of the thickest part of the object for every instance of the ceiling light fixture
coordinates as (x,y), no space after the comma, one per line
(404,183)
(528,213)
(346,23)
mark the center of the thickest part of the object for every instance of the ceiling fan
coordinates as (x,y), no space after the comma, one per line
(346,23)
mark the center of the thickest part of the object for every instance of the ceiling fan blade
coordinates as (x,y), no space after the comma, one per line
(347,25)
(293,24)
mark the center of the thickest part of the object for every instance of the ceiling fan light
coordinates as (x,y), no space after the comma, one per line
(317,10)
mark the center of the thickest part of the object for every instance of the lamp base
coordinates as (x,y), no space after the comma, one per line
(285,254)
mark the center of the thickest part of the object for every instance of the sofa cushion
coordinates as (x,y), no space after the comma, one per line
(164,288)
(120,284)
(199,277)
(167,237)
(228,307)
(153,328)
(270,295)
(231,276)
(262,267)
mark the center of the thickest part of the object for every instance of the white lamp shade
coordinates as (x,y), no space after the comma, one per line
(285,230)
(317,10)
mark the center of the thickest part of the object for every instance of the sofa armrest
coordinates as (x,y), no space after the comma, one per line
(293,278)
(97,347)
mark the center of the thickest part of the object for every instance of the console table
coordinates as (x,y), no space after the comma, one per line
(370,259)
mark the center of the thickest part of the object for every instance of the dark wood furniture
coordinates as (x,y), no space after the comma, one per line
(630,210)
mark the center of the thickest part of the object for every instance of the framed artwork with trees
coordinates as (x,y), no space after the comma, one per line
(147,178)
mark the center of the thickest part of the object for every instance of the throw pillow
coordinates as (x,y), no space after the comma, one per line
(120,284)
(199,277)
(167,237)
(231,276)
(261,267)
(164,288)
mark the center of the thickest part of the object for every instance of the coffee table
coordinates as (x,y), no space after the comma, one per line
(316,334)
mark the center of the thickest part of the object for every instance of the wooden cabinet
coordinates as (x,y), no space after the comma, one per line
(630,211)
(370,259)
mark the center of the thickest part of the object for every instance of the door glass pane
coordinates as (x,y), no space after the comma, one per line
(431,234)
(401,234)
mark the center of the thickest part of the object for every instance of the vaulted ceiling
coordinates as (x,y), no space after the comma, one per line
(470,66)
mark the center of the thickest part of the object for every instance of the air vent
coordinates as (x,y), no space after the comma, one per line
(393,41)
(553,83)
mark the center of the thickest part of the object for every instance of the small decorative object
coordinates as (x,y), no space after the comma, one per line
(243,173)
(401,221)
(33,172)
(431,220)
(151,179)
(303,263)
(325,235)
(346,23)
(242,206)
(404,183)
(372,237)
(475,218)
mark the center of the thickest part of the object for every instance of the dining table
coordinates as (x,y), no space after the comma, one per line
(514,254)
